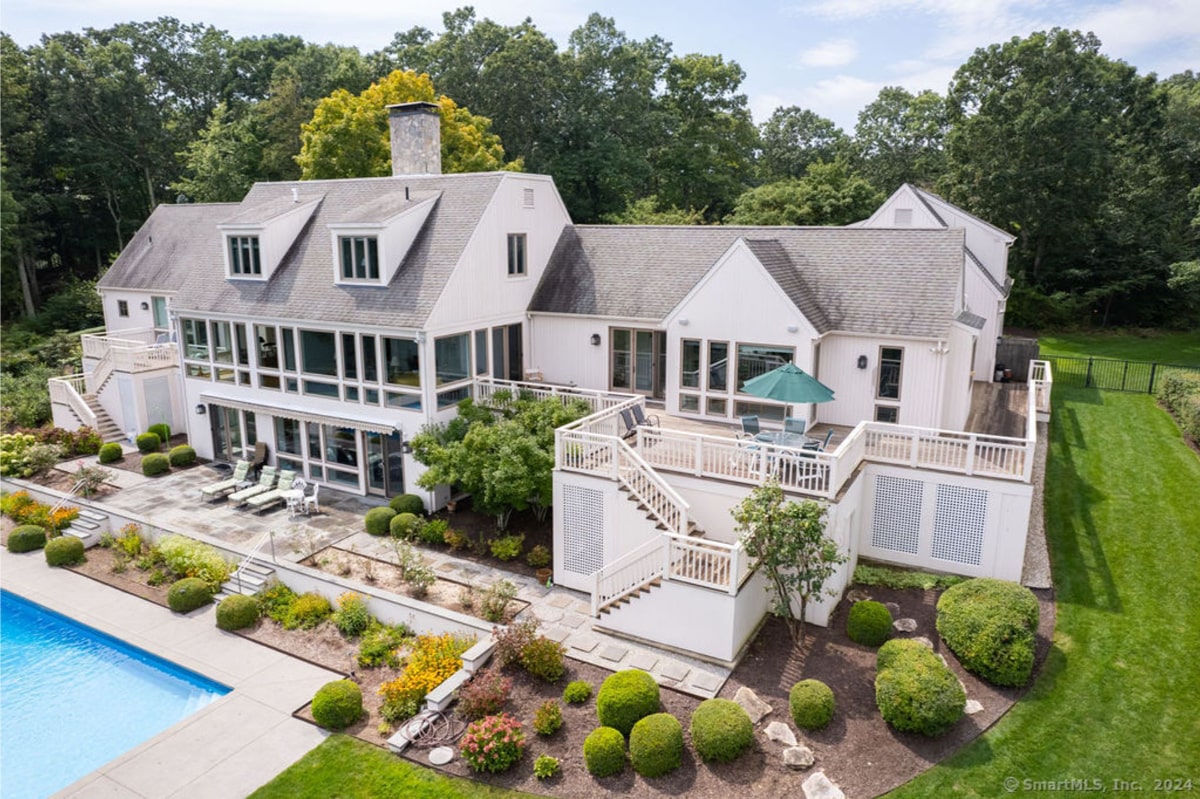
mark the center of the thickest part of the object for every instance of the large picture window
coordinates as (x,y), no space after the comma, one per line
(402,360)
(757,359)
(452,358)
(319,352)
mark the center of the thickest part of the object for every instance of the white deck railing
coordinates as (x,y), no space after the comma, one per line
(69,391)
(1041,383)
(633,570)
(947,450)
(486,387)
(128,351)
(707,563)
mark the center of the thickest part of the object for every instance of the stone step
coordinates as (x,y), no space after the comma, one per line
(89,537)
(92,515)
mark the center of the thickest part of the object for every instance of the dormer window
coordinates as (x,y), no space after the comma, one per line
(359,258)
(516,254)
(244,259)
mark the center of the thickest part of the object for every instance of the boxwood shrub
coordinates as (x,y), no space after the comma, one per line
(408,503)
(111,452)
(656,745)
(811,703)
(402,525)
(577,692)
(990,625)
(869,623)
(337,704)
(721,730)
(188,557)
(155,464)
(237,612)
(149,442)
(162,430)
(378,520)
(187,594)
(604,752)
(183,455)
(26,538)
(914,690)
(625,698)
(66,550)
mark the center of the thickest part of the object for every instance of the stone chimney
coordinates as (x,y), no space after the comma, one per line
(416,130)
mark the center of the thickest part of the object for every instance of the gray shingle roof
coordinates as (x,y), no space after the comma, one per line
(880,281)
(191,258)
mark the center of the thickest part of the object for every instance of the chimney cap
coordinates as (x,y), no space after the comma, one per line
(418,107)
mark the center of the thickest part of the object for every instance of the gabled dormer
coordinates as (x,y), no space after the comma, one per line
(370,243)
(258,236)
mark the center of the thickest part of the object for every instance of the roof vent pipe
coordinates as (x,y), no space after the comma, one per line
(406,193)
(295,194)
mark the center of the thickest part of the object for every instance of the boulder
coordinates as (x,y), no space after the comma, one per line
(798,757)
(858,595)
(782,733)
(893,608)
(923,641)
(905,625)
(748,700)
(818,786)
(972,707)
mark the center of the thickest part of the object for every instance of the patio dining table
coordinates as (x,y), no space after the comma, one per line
(785,439)
(295,500)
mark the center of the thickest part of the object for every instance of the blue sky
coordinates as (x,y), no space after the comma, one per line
(832,56)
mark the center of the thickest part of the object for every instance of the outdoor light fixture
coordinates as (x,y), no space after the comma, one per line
(145,306)
(862,362)
(595,339)
(201,410)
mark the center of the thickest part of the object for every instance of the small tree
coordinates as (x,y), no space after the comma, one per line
(786,541)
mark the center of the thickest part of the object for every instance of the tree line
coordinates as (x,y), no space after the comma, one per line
(1095,168)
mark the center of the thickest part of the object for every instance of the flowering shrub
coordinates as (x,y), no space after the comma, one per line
(543,658)
(484,695)
(512,640)
(496,599)
(433,660)
(277,600)
(190,558)
(307,612)
(352,617)
(23,509)
(494,743)
(22,455)
(548,718)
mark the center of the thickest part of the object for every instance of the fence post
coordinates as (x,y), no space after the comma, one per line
(1087,381)
(1153,369)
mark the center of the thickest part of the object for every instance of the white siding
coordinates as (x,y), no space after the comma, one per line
(561,348)
(984,300)
(956,390)
(922,374)
(138,317)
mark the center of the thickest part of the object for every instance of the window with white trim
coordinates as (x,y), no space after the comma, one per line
(359,258)
(244,258)
(516,254)
(122,308)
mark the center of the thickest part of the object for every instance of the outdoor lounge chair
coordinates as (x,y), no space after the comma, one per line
(630,423)
(265,483)
(260,502)
(214,491)
(259,459)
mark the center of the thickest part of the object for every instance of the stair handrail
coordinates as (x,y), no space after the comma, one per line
(62,502)
(100,373)
(237,574)
(667,506)
(649,557)
(62,389)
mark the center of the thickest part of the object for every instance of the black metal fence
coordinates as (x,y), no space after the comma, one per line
(1112,374)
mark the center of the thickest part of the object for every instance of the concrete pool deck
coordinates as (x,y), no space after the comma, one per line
(227,749)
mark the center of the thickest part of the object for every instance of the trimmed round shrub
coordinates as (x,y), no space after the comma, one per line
(577,692)
(604,752)
(721,730)
(869,623)
(914,690)
(148,442)
(183,455)
(111,452)
(991,626)
(155,464)
(656,745)
(402,525)
(187,594)
(26,538)
(337,704)
(811,703)
(408,503)
(378,520)
(625,698)
(237,612)
(66,550)
(162,430)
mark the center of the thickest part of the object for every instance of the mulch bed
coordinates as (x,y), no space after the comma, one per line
(480,528)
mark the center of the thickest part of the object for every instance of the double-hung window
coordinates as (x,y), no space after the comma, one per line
(359,257)
(516,254)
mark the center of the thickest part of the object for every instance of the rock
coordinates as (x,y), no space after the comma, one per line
(923,641)
(778,731)
(749,701)
(858,595)
(441,755)
(798,757)
(905,625)
(818,786)
(972,707)
(893,608)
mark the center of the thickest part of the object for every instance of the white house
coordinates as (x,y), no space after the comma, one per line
(332,319)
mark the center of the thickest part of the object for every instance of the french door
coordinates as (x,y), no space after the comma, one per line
(385,464)
(639,360)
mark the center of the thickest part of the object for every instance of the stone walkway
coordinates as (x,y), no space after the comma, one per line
(172,503)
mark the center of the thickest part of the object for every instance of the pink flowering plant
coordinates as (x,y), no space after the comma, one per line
(494,743)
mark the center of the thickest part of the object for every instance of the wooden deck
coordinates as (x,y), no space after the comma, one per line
(687,424)
(999,409)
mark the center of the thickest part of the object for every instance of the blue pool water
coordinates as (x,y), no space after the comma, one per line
(73,698)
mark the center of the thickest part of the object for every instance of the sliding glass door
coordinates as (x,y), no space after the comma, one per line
(638,360)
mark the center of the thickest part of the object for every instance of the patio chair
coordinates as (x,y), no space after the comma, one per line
(630,424)
(266,482)
(310,502)
(260,502)
(639,416)
(750,425)
(259,459)
(794,426)
(214,491)
(828,438)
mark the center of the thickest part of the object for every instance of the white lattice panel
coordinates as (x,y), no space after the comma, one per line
(959,524)
(896,522)
(583,529)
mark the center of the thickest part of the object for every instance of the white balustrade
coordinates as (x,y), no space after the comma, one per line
(69,391)
(627,574)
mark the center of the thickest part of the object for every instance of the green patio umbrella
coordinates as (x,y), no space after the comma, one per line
(788,383)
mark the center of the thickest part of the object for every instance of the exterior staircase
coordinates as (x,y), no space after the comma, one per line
(249,579)
(88,526)
(108,429)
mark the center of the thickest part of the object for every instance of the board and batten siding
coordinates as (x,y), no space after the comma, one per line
(957,386)
(561,348)
(138,318)
(922,380)
(984,300)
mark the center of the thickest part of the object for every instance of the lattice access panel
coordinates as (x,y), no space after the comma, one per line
(583,529)
(896,521)
(960,524)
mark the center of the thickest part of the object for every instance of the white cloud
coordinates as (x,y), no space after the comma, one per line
(831,53)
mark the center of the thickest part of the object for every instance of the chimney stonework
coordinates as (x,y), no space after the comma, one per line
(416,135)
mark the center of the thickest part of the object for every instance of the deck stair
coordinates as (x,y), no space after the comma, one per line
(108,429)
(625,600)
(88,526)
(250,578)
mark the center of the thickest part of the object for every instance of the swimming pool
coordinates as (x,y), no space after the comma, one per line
(73,698)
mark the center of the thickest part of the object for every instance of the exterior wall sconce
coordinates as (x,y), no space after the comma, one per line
(201,409)
(145,306)
(862,362)
(595,339)
(406,448)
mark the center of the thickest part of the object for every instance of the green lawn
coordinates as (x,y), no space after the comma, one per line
(1164,347)
(1117,698)
(345,768)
